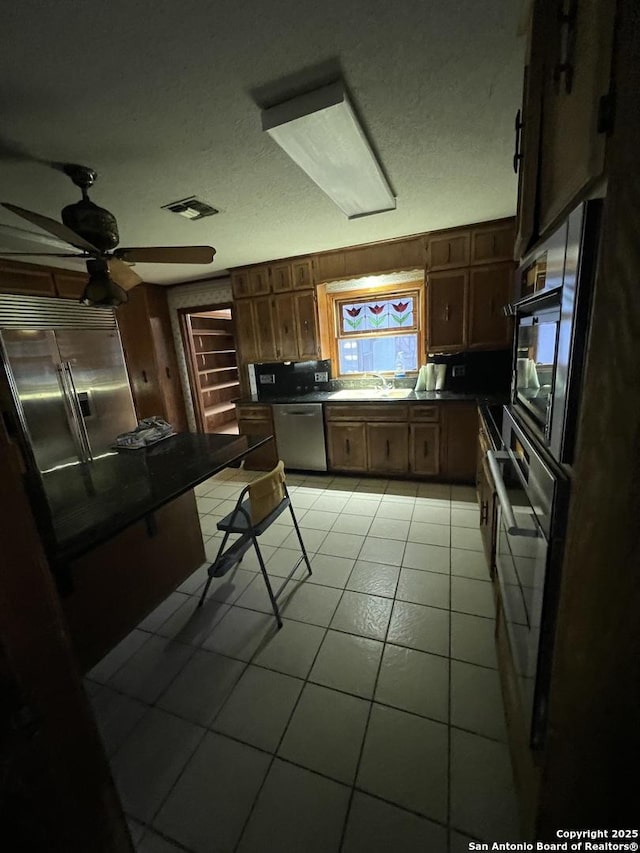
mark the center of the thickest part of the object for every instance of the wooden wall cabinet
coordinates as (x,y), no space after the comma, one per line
(27,279)
(282,327)
(278,277)
(447,303)
(147,340)
(371,259)
(490,289)
(567,112)
(256,419)
(493,244)
(464,308)
(448,250)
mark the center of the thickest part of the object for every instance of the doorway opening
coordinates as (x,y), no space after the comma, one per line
(210,345)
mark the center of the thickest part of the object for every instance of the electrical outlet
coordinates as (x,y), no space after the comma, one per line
(323,376)
(267,378)
(458,370)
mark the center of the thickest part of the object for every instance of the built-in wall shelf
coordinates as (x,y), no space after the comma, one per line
(215,380)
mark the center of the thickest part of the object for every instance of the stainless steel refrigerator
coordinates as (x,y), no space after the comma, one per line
(66,371)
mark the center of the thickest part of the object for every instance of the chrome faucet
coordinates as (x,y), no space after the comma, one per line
(384,384)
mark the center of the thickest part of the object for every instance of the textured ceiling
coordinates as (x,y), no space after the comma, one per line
(161,98)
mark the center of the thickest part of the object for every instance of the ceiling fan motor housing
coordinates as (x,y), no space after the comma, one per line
(94,223)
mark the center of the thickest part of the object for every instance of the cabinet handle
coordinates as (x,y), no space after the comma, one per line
(348,447)
(388,448)
(168,372)
(484,512)
(306,325)
(446,312)
(144,376)
(567,38)
(517,157)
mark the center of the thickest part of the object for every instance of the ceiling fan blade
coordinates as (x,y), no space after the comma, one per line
(167,254)
(123,275)
(52,227)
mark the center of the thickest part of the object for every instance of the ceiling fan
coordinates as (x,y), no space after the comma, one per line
(94,232)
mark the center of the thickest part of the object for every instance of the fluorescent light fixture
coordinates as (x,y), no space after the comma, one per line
(321,133)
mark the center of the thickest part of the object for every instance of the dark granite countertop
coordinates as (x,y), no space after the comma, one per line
(359,396)
(90,503)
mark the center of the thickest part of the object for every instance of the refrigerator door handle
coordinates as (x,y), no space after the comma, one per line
(78,417)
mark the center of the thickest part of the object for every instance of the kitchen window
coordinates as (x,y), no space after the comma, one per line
(372,330)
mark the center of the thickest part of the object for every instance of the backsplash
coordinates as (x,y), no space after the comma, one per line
(484,372)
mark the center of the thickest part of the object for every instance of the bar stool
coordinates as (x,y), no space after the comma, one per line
(257,507)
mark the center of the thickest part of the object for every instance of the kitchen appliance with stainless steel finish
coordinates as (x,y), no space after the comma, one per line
(299,429)
(551,326)
(531,519)
(69,386)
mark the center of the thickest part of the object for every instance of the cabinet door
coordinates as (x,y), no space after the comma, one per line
(266,347)
(245,332)
(490,289)
(447,251)
(284,324)
(301,274)
(259,283)
(330,266)
(347,446)
(388,448)
(460,446)
(577,76)
(265,458)
(446,311)
(306,321)
(70,285)
(425,449)
(281,280)
(490,245)
(240,286)
(26,279)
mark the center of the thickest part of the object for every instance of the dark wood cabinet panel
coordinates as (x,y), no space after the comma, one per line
(266,347)
(490,289)
(425,448)
(256,420)
(259,281)
(285,327)
(388,448)
(307,325)
(347,446)
(147,340)
(240,287)
(446,310)
(302,274)
(28,279)
(459,455)
(281,279)
(491,245)
(245,332)
(70,285)
(448,250)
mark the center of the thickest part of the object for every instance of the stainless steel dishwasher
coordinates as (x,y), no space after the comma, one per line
(299,429)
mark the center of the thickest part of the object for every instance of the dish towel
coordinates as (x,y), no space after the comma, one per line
(148,431)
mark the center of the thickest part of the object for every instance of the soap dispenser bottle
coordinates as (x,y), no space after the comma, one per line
(399,371)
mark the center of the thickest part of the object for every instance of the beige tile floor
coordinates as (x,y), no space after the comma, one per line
(373,721)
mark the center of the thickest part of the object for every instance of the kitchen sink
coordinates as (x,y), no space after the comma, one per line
(371,394)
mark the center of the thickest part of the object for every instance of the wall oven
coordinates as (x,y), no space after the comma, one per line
(532,507)
(551,324)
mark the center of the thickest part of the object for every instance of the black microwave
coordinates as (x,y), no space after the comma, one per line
(551,329)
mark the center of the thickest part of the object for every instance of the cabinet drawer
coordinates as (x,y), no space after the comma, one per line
(373,412)
(424,412)
(250,411)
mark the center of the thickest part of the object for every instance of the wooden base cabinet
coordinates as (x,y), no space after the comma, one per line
(388,448)
(347,446)
(425,449)
(459,453)
(255,419)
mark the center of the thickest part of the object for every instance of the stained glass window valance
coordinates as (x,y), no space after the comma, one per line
(388,314)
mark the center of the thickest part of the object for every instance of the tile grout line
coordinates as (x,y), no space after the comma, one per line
(449,738)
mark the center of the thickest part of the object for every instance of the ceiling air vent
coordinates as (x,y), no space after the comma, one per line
(190,208)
